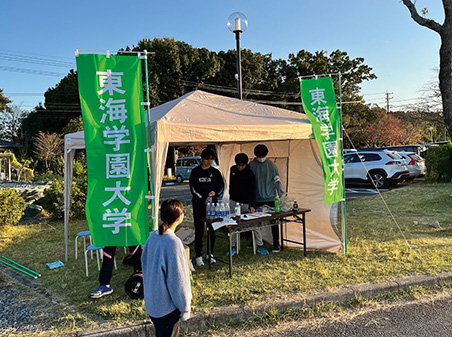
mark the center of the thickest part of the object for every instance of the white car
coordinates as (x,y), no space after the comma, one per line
(415,163)
(382,167)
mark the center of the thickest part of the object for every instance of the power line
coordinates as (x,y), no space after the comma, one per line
(35,60)
(28,53)
(31,71)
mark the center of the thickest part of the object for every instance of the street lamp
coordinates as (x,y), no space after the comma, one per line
(238,23)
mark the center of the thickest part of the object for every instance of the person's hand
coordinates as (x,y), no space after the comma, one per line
(208,199)
(252,209)
(211,193)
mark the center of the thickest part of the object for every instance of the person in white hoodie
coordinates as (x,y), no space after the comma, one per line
(166,280)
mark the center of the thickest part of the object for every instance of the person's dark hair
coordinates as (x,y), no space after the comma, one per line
(170,211)
(241,158)
(260,150)
(207,153)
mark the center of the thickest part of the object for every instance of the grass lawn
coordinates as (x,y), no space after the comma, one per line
(377,251)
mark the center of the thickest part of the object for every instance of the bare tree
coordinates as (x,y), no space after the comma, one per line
(48,147)
(445,52)
(11,121)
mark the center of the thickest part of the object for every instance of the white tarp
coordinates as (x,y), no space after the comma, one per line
(235,126)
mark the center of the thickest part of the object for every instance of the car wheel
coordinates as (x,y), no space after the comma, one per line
(179,179)
(379,179)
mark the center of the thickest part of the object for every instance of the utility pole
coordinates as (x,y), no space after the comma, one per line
(388,97)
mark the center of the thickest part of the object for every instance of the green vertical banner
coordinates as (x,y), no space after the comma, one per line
(319,103)
(111,97)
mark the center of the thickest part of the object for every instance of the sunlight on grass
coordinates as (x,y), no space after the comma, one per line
(377,252)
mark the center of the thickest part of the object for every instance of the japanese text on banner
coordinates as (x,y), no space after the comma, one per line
(319,104)
(110,97)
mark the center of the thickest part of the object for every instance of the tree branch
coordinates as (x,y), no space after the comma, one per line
(431,24)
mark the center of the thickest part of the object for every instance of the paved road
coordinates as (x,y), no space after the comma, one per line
(182,191)
(430,316)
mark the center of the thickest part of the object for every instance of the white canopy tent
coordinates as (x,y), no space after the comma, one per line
(235,126)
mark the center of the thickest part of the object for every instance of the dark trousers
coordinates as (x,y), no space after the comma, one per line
(107,263)
(275,228)
(168,325)
(199,212)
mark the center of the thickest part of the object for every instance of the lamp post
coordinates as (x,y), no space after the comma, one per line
(238,23)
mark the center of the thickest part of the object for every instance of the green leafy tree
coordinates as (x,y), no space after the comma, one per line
(61,105)
(176,68)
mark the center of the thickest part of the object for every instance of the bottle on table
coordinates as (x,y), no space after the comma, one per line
(222,210)
(295,206)
(211,211)
(208,211)
(228,209)
(217,210)
(277,203)
(237,210)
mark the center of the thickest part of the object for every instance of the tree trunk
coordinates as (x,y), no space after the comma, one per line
(445,73)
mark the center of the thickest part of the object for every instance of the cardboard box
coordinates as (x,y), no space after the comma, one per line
(186,234)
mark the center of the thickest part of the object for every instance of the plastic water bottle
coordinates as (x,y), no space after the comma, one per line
(228,209)
(208,211)
(222,210)
(237,210)
(217,210)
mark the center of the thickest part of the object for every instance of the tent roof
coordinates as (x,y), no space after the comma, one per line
(202,117)
(205,117)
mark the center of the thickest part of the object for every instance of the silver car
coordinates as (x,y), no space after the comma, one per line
(382,167)
(415,163)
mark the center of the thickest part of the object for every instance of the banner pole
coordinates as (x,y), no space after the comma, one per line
(18,269)
(148,126)
(23,267)
(343,213)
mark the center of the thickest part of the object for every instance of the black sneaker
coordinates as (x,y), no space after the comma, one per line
(276,249)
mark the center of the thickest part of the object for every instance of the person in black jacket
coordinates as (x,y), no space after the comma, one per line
(206,184)
(242,189)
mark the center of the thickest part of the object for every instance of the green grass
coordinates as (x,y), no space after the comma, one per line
(377,252)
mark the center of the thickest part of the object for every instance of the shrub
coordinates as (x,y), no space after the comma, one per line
(438,163)
(53,199)
(12,206)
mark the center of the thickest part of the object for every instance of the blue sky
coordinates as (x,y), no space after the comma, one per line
(402,54)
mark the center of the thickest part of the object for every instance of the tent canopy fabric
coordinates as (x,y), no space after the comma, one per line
(235,126)
(201,117)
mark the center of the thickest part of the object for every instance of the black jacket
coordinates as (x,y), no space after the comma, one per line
(203,181)
(242,186)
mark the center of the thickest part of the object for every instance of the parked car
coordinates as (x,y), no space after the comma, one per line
(184,166)
(416,148)
(382,167)
(415,163)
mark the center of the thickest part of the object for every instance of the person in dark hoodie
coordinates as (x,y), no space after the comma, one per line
(206,185)
(242,189)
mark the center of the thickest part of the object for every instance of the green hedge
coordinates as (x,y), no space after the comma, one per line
(12,206)
(439,163)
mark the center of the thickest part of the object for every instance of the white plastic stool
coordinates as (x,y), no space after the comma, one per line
(83,235)
(92,248)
